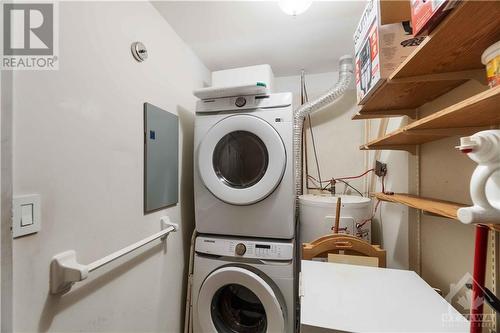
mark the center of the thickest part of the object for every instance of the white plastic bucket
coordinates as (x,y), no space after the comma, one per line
(317,215)
(491,58)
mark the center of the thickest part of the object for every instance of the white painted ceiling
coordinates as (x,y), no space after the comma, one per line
(228,34)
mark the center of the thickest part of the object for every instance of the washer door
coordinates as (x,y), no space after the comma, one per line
(241,160)
(234,299)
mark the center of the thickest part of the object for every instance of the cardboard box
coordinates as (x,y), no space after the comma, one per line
(379,50)
(426,14)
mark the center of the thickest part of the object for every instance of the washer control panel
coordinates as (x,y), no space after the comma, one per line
(245,248)
(240,249)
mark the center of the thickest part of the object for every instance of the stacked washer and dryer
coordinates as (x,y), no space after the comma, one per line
(244,269)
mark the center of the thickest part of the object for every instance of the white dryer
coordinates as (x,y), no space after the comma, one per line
(243,285)
(243,173)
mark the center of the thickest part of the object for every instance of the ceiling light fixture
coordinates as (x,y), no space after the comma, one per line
(294,7)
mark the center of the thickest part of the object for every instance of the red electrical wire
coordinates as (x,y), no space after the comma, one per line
(316,180)
(360,225)
(334,180)
(383,184)
(376,205)
(354,177)
(342,178)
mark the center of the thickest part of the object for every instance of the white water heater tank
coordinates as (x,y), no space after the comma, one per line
(317,216)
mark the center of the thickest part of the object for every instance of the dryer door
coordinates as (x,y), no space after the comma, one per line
(241,160)
(234,299)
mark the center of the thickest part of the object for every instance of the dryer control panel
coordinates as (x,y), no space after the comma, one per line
(245,248)
(237,103)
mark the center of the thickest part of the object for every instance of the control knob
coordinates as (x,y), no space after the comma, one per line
(240,101)
(240,249)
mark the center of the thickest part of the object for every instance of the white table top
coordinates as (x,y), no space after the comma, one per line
(351,298)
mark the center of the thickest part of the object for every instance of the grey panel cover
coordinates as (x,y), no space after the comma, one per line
(161,158)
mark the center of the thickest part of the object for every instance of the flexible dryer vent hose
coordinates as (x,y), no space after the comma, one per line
(346,70)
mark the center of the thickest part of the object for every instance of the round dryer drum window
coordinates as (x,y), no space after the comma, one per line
(241,159)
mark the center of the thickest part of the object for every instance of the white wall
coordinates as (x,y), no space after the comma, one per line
(6,202)
(391,220)
(78,141)
(447,245)
(338,139)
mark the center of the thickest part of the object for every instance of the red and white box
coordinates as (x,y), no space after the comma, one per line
(426,14)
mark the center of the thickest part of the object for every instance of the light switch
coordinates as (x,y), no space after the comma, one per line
(26,215)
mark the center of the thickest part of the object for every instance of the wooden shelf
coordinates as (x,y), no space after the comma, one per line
(463,118)
(363,114)
(439,207)
(446,59)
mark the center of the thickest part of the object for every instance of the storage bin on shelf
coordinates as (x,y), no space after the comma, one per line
(491,58)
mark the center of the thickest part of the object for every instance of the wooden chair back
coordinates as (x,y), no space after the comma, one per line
(347,244)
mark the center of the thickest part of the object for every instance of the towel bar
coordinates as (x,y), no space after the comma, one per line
(65,270)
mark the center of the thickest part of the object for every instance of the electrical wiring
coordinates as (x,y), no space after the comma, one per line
(314,145)
(349,185)
(315,182)
(355,177)
(317,185)
(383,187)
(360,225)
(343,178)
(332,181)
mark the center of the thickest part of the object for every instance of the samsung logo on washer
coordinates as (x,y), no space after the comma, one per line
(30,38)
